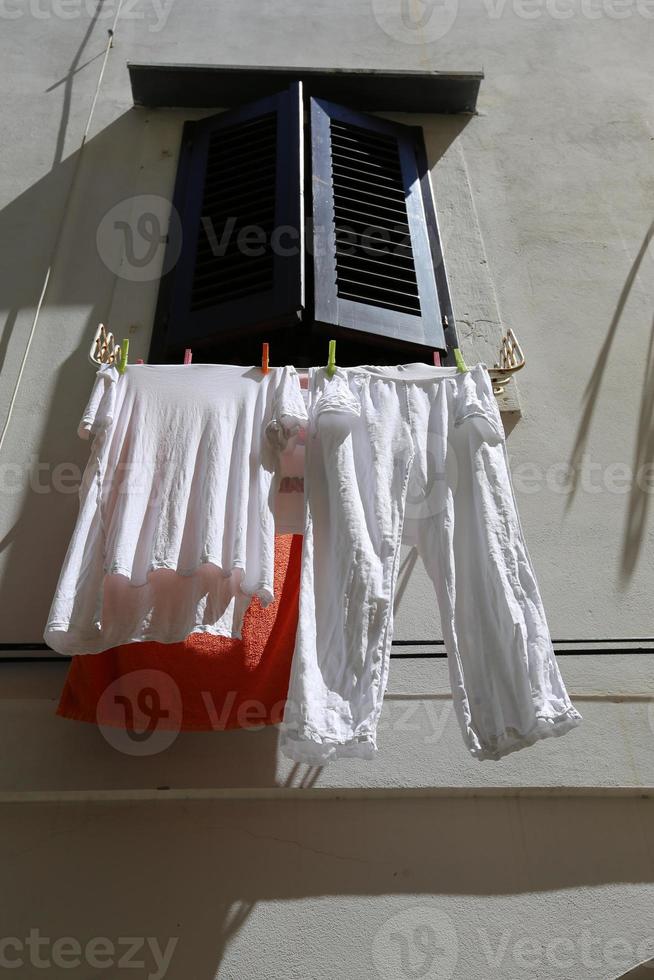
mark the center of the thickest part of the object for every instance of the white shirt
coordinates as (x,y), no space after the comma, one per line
(175,531)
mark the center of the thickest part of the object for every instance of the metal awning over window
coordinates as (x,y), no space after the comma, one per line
(374,90)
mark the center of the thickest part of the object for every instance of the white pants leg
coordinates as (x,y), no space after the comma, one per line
(463,520)
(417,452)
(357,459)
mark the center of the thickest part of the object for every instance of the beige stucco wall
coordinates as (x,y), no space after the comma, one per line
(545,201)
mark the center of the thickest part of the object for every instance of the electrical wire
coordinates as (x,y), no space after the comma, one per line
(62,224)
(615,646)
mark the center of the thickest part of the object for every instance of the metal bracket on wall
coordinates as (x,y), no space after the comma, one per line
(511,359)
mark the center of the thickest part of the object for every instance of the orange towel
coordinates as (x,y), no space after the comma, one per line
(206,683)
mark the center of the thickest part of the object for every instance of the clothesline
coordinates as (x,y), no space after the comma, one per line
(178,517)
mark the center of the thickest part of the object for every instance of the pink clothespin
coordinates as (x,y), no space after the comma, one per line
(437,359)
(139,360)
(188,356)
(265,358)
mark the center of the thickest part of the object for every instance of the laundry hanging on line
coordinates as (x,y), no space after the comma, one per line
(417,455)
(408,453)
(176,530)
(205,683)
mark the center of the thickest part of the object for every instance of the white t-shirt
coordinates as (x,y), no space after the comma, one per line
(175,531)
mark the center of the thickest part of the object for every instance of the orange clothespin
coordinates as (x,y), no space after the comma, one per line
(265,358)
(188,356)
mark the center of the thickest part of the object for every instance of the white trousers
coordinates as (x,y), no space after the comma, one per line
(415,454)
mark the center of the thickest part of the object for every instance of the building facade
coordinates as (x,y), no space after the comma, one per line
(217,855)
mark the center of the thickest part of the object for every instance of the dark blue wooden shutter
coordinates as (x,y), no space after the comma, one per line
(374,260)
(238,170)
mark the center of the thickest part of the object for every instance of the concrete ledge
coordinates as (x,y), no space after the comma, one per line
(330,793)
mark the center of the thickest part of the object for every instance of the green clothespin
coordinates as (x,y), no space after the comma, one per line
(331,360)
(124,349)
(461,365)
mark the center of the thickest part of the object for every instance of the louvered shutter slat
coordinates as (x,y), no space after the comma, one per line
(373,263)
(239,170)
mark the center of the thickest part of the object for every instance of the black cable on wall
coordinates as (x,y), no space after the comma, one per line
(578,647)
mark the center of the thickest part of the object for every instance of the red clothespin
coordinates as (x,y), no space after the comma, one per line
(188,356)
(437,359)
(265,358)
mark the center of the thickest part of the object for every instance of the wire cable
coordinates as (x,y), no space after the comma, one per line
(62,224)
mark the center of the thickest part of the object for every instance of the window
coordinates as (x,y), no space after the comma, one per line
(297,225)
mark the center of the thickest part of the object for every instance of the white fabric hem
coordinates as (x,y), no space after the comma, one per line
(264,590)
(315,750)
(95,645)
(416,371)
(512,741)
(155,566)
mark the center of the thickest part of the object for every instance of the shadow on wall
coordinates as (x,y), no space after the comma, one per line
(639,498)
(644,971)
(79,281)
(198,870)
(438,139)
(638,501)
(24,221)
